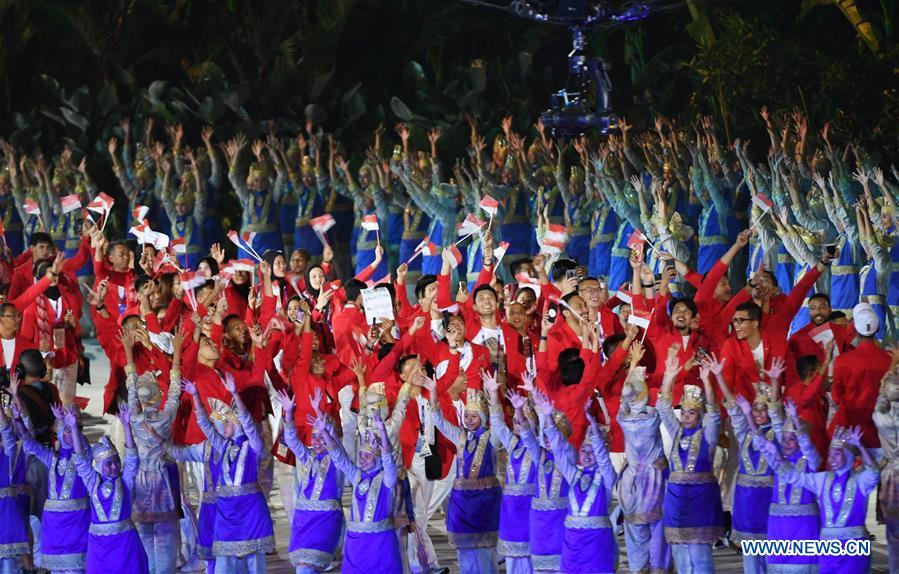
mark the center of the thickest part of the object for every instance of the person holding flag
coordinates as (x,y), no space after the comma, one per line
(136,178)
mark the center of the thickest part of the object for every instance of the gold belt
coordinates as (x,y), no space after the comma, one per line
(587,522)
(549,503)
(475,483)
(713,240)
(227,491)
(370,527)
(66,505)
(755,481)
(320,505)
(691,477)
(843,533)
(110,528)
(793,509)
(519,489)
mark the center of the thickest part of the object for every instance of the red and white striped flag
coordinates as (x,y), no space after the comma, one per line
(323,223)
(140,212)
(101,204)
(179,246)
(639,318)
(470,226)
(489,205)
(636,240)
(236,265)
(70,203)
(457,256)
(761,201)
(32,207)
(370,223)
(555,238)
(499,252)
(821,334)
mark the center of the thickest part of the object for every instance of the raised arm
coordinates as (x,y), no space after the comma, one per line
(218,442)
(246,418)
(448,429)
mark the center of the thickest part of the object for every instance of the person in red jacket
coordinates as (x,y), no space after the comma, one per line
(819,310)
(857,376)
(568,329)
(752,356)
(599,308)
(713,299)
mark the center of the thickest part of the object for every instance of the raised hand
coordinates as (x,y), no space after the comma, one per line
(230,384)
(854,435)
(315,400)
(125,413)
(70,418)
(778,366)
(189,387)
(517,401)
(744,405)
(287,401)
(527,381)
(790,408)
(490,382)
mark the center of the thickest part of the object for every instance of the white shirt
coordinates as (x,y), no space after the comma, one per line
(759,355)
(424,414)
(9,351)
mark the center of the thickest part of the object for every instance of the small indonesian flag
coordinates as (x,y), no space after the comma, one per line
(241,265)
(499,252)
(636,240)
(334,285)
(639,318)
(192,280)
(625,297)
(158,240)
(821,334)
(70,203)
(385,280)
(370,222)
(456,258)
(244,242)
(470,226)
(555,238)
(101,204)
(489,205)
(523,277)
(179,246)
(138,231)
(430,249)
(164,263)
(322,223)
(761,201)
(32,207)
(140,212)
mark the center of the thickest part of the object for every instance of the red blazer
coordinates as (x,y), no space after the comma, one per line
(802,344)
(740,370)
(22,345)
(856,384)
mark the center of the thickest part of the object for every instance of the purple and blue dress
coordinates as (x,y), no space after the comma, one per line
(13,529)
(548,508)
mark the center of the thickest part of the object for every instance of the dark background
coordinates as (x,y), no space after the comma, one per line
(70,71)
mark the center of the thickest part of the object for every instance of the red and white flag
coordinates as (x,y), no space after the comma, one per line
(625,297)
(555,238)
(140,212)
(179,246)
(639,318)
(457,256)
(489,205)
(370,223)
(32,207)
(101,204)
(236,265)
(499,252)
(637,240)
(192,280)
(322,223)
(244,242)
(470,226)
(822,334)
(70,203)
(429,248)
(761,201)
(158,240)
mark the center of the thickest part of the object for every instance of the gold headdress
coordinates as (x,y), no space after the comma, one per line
(562,423)
(307,167)
(397,153)
(577,175)
(222,412)
(102,451)
(500,148)
(475,401)
(807,236)
(762,393)
(370,443)
(678,229)
(790,427)
(376,395)
(293,154)
(185,197)
(424,162)
(257,169)
(885,207)
(693,398)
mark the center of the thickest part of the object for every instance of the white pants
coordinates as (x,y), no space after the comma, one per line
(162,542)
(252,564)
(441,491)
(422,492)
(646,546)
(65,380)
(754,564)
(477,561)
(287,485)
(518,565)
(690,558)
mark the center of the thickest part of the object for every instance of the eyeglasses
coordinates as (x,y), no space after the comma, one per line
(740,320)
(9,316)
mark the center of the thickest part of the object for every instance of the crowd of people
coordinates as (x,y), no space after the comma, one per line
(566,342)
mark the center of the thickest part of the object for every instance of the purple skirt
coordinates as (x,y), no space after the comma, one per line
(472,519)
(13,532)
(692,513)
(314,536)
(371,552)
(750,514)
(844,564)
(601,557)
(64,539)
(205,530)
(243,526)
(122,552)
(513,525)
(547,531)
(793,528)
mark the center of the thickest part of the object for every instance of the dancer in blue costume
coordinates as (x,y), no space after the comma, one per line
(258,200)
(844,273)
(578,209)
(13,528)
(243,532)
(692,512)
(603,227)
(887,219)
(136,177)
(12,212)
(186,211)
(629,214)
(842,494)
(66,514)
(367,201)
(113,544)
(519,487)
(371,545)
(794,513)
(516,227)
(307,194)
(472,519)
(874,276)
(318,517)
(590,474)
(716,207)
